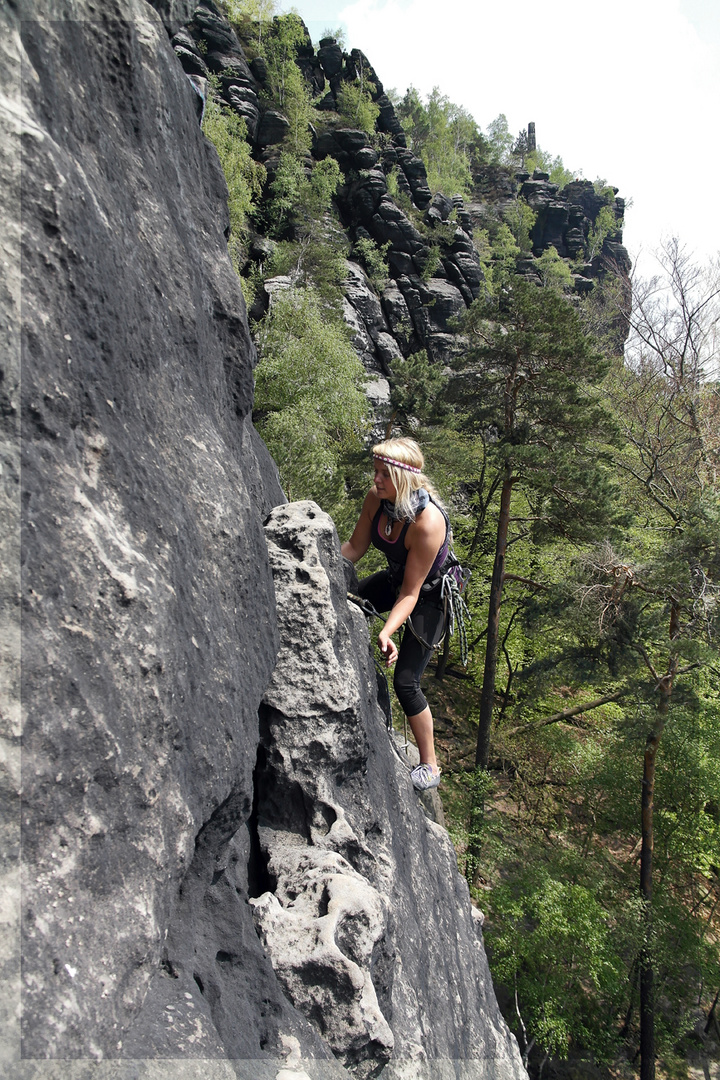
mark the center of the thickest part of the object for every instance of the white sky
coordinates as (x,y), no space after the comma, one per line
(627,91)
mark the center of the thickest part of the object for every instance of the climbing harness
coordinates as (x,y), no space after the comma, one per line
(452,582)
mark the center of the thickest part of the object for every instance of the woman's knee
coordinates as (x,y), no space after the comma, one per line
(409,694)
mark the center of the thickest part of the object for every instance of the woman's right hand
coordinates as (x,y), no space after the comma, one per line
(387,647)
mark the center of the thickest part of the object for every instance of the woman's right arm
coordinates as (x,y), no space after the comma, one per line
(354,548)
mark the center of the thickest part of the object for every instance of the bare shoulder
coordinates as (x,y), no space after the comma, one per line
(428,526)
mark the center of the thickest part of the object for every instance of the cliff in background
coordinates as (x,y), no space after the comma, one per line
(225,870)
(416,309)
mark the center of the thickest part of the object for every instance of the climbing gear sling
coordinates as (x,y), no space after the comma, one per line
(451,581)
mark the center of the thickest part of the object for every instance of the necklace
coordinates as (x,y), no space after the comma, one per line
(391,517)
(420,499)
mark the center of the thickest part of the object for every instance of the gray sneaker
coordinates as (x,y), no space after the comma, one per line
(425,776)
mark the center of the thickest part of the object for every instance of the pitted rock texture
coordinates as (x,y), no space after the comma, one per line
(148,616)
(366,921)
(193,802)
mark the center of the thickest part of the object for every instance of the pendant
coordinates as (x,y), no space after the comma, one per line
(388,527)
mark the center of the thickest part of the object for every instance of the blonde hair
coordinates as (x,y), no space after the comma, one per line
(405,452)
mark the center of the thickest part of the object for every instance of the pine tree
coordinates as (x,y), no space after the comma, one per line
(529,388)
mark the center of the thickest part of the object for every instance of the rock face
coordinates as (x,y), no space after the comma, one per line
(365,918)
(224,867)
(144,487)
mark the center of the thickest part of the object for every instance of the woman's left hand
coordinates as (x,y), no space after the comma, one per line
(387,647)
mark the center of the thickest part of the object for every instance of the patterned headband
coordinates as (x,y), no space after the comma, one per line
(397,464)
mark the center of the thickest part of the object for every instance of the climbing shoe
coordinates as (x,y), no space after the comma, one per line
(425,776)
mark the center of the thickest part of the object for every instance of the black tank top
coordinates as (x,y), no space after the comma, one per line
(395,551)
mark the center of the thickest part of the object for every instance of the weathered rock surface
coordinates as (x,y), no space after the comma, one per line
(144,487)
(160,797)
(364,916)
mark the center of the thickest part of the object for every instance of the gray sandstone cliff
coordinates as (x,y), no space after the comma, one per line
(224,868)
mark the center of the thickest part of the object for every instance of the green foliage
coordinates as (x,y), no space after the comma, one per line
(553,166)
(259,12)
(445,136)
(284,193)
(309,404)
(504,252)
(516,153)
(392,184)
(550,942)
(520,220)
(554,271)
(532,376)
(430,261)
(605,225)
(296,199)
(288,88)
(374,258)
(646,623)
(485,254)
(499,139)
(416,390)
(356,106)
(603,188)
(338,33)
(558,173)
(245,177)
(520,150)
(312,249)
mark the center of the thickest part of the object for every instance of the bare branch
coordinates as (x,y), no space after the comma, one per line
(567,713)
(525,581)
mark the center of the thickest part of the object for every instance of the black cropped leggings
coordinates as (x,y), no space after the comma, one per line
(428,618)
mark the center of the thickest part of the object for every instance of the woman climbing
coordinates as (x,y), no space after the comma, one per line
(403,517)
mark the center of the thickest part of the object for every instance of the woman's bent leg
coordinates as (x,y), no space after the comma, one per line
(378,590)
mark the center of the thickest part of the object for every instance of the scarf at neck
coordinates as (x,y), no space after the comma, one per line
(418,501)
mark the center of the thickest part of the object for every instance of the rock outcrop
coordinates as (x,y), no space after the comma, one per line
(225,870)
(366,920)
(428,241)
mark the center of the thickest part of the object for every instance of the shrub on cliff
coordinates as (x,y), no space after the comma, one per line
(311,247)
(245,177)
(356,107)
(286,84)
(309,403)
(259,12)
(444,135)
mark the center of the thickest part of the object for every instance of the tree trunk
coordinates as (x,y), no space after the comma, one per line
(487,697)
(647,971)
(711,1015)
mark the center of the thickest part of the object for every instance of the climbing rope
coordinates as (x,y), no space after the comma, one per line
(383,687)
(458,611)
